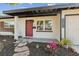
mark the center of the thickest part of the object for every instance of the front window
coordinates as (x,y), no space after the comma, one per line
(44,25)
(8,24)
(48,25)
(39,25)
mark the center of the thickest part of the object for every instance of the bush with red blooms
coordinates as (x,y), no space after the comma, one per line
(53,45)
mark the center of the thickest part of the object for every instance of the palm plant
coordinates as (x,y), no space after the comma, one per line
(65,42)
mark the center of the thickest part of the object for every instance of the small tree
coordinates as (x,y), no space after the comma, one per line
(13,4)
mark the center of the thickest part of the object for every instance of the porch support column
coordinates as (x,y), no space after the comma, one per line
(16,28)
(59,19)
(62,26)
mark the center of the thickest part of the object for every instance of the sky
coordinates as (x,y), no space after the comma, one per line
(6,6)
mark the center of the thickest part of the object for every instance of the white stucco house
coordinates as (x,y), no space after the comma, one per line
(51,22)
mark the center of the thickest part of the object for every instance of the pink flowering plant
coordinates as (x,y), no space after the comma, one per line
(53,45)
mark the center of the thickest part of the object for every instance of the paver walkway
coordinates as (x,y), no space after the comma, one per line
(21,50)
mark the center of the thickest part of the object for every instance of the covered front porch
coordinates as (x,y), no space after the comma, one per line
(40,24)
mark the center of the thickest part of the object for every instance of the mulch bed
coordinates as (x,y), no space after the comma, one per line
(43,51)
(8,45)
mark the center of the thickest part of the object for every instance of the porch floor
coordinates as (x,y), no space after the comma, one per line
(30,39)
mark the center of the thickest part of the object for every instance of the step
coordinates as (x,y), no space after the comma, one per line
(21,44)
(20,49)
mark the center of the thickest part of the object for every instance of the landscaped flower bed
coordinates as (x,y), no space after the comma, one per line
(52,48)
(41,49)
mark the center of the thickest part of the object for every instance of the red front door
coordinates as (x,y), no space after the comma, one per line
(29,28)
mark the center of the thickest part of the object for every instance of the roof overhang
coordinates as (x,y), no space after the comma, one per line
(6,17)
(41,11)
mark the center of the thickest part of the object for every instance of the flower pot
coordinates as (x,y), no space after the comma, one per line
(65,46)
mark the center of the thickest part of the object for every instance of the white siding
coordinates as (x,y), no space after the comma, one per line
(53,35)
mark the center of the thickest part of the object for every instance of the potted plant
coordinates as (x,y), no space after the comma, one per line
(65,43)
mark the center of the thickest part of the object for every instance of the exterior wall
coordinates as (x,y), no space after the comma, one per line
(8,19)
(70,11)
(52,35)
